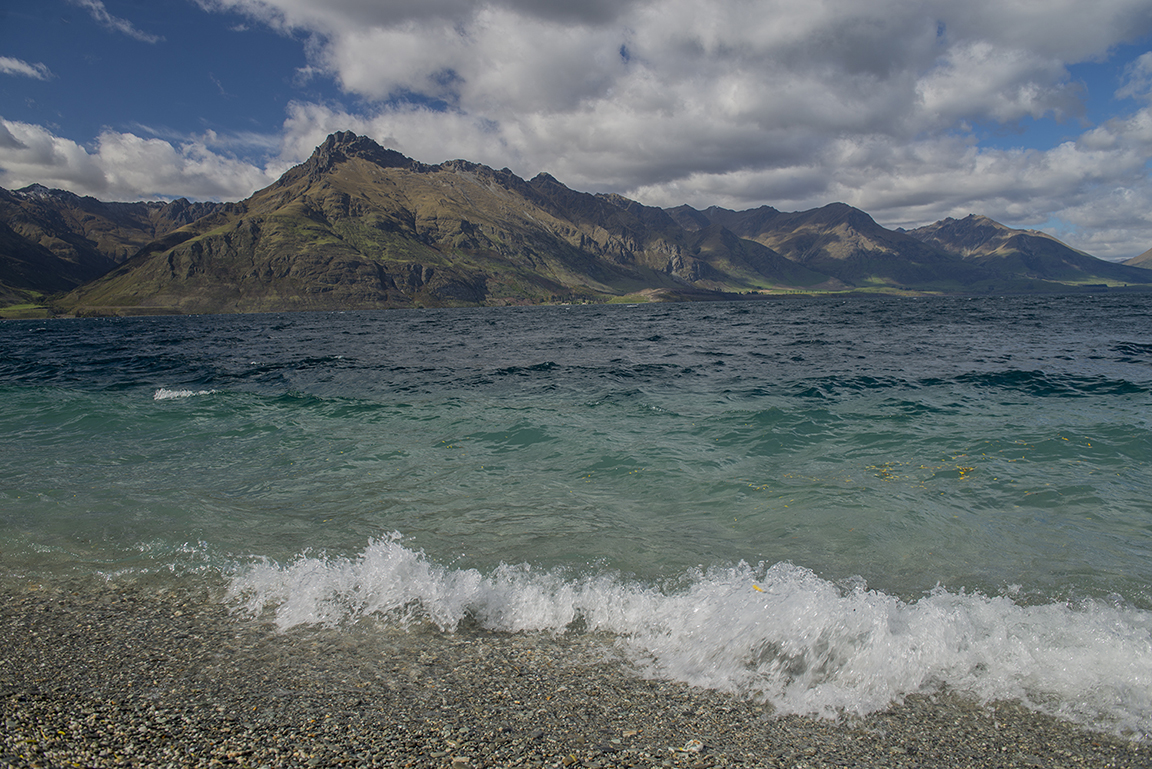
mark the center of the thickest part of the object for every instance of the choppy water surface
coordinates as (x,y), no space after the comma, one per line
(822,503)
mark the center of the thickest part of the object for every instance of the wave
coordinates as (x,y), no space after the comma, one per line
(1039,383)
(164,394)
(777,633)
(1132,351)
(1033,383)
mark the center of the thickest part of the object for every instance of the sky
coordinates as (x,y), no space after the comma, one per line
(1037,113)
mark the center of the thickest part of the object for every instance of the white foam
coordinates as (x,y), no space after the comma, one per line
(779,634)
(164,394)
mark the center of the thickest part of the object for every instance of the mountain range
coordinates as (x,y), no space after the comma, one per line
(360,226)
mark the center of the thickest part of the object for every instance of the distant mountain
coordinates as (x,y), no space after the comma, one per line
(361,226)
(52,240)
(1022,253)
(845,243)
(1144,260)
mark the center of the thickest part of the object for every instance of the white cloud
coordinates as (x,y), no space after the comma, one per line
(1137,79)
(124,166)
(793,103)
(10,66)
(98,12)
(730,74)
(789,103)
(978,81)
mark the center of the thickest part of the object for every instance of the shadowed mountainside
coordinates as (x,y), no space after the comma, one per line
(52,240)
(845,243)
(360,226)
(1021,253)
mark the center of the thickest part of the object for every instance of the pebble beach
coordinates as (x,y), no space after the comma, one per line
(100,675)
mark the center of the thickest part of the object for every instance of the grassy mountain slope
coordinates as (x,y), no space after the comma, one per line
(1144,260)
(714,256)
(1023,253)
(358,226)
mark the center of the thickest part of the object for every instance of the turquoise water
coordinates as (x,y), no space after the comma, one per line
(824,503)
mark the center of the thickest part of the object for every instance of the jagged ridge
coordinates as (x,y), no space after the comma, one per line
(358,225)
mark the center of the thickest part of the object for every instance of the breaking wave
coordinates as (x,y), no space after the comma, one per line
(777,633)
(164,394)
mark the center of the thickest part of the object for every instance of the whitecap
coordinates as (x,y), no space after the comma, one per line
(164,394)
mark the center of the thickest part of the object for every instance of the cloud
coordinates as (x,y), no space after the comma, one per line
(98,12)
(127,167)
(1137,79)
(340,16)
(792,103)
(8,141)
(718,72)
(788,103)
(10,66)
(979,81)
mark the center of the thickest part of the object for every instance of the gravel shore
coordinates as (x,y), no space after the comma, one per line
(137,675)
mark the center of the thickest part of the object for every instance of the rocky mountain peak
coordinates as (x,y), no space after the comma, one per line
(842,213)
(544,179)
(969,235)
(345,145)
(39,191)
